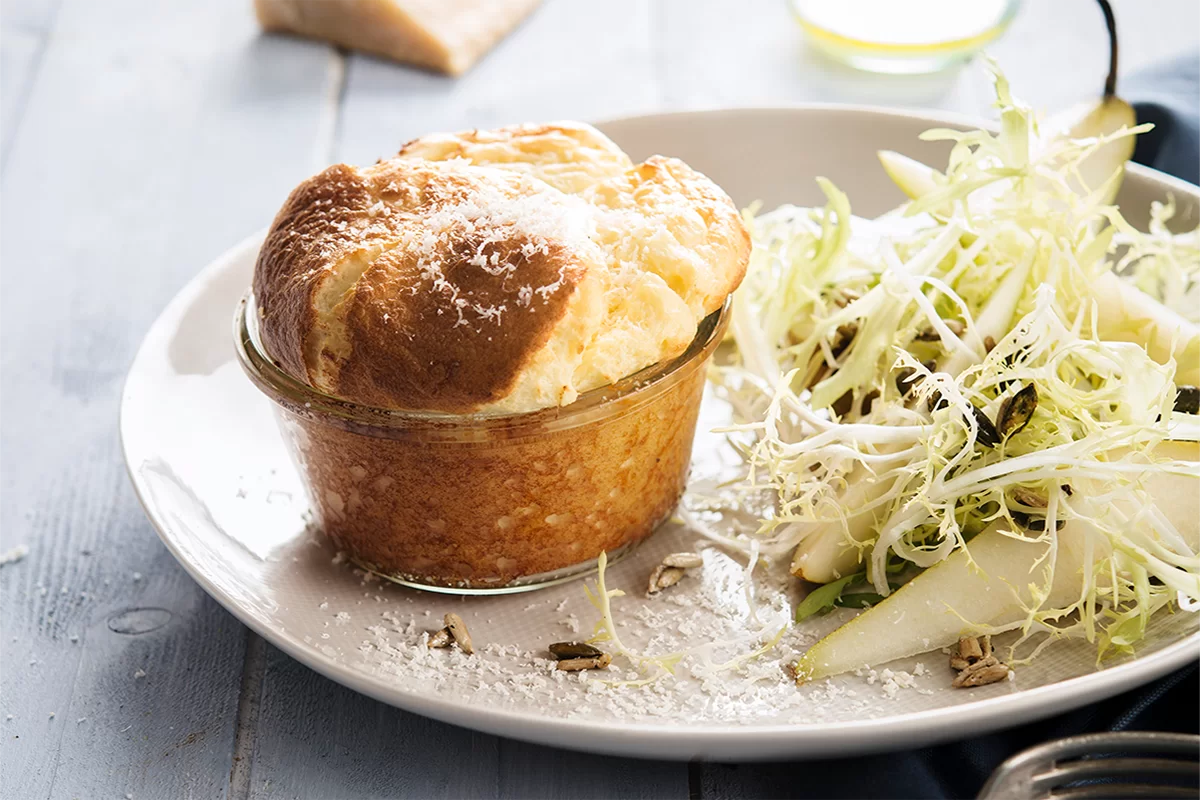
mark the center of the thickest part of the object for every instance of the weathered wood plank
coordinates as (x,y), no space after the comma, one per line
(529,771)
(156,135)
(18,65)
(318,739)
(28,16)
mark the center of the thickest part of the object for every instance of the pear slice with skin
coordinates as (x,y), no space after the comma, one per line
(1091,121)
(827,552)
(954,598)
(1124,313)
(911,176)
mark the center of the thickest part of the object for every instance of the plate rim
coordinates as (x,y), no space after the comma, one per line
(642,739)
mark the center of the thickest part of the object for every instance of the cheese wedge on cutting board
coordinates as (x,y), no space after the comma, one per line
(442,35)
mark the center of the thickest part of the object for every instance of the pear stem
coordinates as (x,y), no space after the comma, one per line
(1110,21)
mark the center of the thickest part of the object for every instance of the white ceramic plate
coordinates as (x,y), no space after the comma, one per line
(206,460)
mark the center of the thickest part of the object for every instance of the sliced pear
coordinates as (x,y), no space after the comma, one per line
(912,177)
(1092,120)
(1127,314)
(827,552)
(1088,120)
(949,600)
(954,599)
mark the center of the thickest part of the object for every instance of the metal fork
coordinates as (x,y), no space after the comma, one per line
(1101,765)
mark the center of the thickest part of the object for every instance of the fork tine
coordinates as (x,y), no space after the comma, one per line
(1156,770)
(1123,791)
(1059,769)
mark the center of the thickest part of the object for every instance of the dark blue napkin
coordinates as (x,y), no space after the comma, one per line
(960,769)
(1169,96)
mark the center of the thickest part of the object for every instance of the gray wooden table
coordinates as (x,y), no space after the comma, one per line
(139,139)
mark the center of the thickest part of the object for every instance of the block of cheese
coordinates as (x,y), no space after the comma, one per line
(443,35)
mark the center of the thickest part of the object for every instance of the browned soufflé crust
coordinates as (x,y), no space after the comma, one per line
(504,270)
(493,277)
(397,335)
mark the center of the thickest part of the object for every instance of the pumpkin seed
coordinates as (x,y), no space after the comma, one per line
(566,650)
(969,649)
(1016,411)
(663,577)
(576,664)
(683,560)
(844,404)
(987,434)
(982,672)
(845,335)
(1029,498)
(458,630)
(1187,399)
(439,638)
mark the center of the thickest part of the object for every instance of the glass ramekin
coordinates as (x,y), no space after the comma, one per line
(487,504)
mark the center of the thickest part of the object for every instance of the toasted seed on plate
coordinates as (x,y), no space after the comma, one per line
(576,664)
(683,560)
(440,638)
(1016,411)
(982,672)
(458,630)
(567,650)
(663,577)
(969,649)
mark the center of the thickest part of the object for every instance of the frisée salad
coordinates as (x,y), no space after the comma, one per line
(977,413)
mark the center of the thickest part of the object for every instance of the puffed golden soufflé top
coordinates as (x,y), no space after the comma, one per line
(498,271)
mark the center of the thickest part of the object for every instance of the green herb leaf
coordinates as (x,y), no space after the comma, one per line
(859,600)
(823,598)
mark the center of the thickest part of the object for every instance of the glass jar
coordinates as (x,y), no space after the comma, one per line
(903,36)
(481,504)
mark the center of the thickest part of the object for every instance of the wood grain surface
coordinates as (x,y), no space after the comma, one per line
(139,139)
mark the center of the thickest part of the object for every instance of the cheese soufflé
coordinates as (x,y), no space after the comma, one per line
(488,351)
